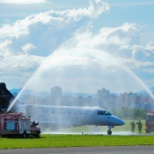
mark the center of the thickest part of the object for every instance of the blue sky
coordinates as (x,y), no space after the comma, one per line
(80,45)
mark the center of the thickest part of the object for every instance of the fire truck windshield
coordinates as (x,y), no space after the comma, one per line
(150,118)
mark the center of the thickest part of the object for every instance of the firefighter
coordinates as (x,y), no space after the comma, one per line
(139,123)
(132,126)
(34,124)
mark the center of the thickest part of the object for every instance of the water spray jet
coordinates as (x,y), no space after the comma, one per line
(78,70)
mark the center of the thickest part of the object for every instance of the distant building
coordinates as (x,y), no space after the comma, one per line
(69,101)
(89,101)
(103,98)
(133,98)
(80,100)
(114,102)
(56,95)
(129,100)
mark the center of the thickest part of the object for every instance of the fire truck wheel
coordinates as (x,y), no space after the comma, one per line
(24,135)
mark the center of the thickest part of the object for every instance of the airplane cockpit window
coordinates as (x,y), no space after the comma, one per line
(107,113)
(101,112)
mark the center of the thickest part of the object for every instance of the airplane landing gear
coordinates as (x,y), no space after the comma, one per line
(109,132)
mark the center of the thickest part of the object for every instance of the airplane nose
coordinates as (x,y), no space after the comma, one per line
(116,121)
(120,122)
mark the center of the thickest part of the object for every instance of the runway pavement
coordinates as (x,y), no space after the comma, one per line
(85,150)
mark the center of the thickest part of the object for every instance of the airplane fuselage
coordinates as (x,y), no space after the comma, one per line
(71,116)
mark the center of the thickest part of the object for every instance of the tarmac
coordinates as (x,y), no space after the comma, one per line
(85,150)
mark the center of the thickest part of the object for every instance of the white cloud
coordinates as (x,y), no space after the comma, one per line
(22,1)
(80,56)
(22,27)
(26,48)
(46,32)
(150,47)
(114,40)
(10,61)
(50,28)
(96,7)
(121,42)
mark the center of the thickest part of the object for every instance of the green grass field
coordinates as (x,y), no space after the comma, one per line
(79,140)
(52,141)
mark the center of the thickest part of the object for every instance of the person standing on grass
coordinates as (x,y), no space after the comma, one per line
(139,123)
(132,126)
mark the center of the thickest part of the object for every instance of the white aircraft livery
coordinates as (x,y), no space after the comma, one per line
(70,116)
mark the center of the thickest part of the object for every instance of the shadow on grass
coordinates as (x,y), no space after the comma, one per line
(21,137)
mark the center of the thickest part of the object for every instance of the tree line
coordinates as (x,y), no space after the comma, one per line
(131,113)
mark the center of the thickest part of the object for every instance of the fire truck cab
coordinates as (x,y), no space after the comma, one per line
(16,124)
(149,123)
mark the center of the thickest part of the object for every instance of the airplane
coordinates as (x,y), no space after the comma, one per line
(70,116)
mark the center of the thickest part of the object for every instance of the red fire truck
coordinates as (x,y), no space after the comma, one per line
(16,124)
(149,123)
